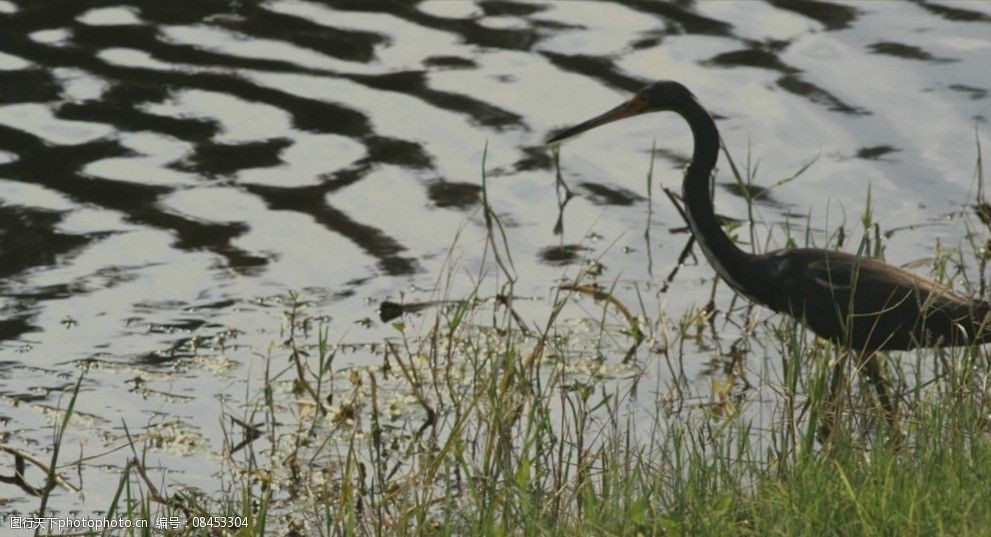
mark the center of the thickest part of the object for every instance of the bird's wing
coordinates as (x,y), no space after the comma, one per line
(877,287)
(871,305)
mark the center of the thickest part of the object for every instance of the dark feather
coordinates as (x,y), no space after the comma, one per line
(868,305)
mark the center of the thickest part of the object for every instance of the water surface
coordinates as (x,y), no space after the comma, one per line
(168,168)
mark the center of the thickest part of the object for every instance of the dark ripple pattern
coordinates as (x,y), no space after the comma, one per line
(124,105)
(127,105)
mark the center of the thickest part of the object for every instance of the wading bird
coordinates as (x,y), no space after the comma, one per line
(857,302)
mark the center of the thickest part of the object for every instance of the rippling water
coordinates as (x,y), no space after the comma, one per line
(167,168)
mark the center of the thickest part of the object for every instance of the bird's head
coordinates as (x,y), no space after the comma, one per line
(663,95)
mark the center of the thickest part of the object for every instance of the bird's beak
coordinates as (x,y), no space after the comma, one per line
(630,108)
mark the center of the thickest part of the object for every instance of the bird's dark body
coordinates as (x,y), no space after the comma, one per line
(864,304)
(858,302)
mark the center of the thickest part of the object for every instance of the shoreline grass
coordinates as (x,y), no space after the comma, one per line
(475,421)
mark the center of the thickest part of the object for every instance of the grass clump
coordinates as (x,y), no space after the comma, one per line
(475,420)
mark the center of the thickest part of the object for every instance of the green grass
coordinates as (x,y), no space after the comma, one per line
(472,422)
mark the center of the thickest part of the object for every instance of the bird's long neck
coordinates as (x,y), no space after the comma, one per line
(730,262)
